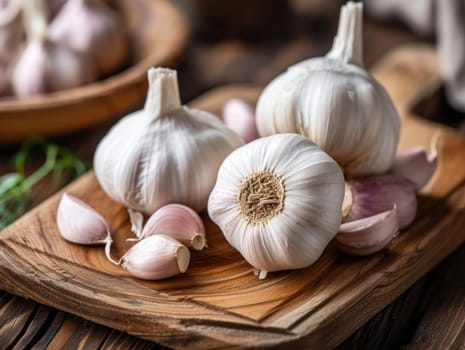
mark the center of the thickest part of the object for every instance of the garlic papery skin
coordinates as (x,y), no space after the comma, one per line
(179,222)
(240,117)
(368,235)
(156,257)
(81,224)
(336,103)
(92,28)
(416,165)
(368,196)
(165,153)
(45,66)
(278,201)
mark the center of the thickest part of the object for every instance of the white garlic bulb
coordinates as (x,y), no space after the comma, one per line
(45,66)
(92,28)
(165,153)
(336,103)
(278,201)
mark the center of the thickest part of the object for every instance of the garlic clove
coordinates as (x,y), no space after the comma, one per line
(94,29)
(156,257)
(365,197)
(179,222)
(239,116)
(368,235)
(79,223)
(416,165)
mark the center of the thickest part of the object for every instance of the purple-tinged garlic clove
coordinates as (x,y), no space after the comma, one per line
(369,196)
(239,116)
(179,222)
(156,257)
(416,165)
(368,235)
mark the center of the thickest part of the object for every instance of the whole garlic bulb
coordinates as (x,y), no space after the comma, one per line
(165,153)
(92,28)
(336,103)
(278,201)
(45,66)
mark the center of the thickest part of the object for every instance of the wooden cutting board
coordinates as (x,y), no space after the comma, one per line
(219,303)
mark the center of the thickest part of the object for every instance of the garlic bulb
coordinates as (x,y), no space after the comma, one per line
(165,153)
(92,28)
(278,201)
(336,103)
(45,66)
(179,222)
(156,257)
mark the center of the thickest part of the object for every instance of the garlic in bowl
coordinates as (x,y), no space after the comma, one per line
(158,35)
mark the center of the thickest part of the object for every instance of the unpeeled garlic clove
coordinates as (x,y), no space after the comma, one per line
(156,257)
(369,196)
(79,223)
(179,222)
(368,235)
(239,116)
(416,165)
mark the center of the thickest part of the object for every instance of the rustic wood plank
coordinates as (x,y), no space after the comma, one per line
(50,331)
(120,341)
(443,323)
(218,302)
(13,317)
(41,319)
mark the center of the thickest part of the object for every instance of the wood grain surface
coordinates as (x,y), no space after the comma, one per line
(158,33)
(219,303)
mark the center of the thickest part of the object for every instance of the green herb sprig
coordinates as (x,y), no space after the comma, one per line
(15,187)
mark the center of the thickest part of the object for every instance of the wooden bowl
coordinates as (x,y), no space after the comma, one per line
(158,34)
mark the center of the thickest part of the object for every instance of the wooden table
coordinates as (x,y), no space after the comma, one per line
(431,314)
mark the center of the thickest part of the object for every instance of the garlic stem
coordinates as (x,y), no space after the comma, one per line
(348,43)
(108,241)
(163,94)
